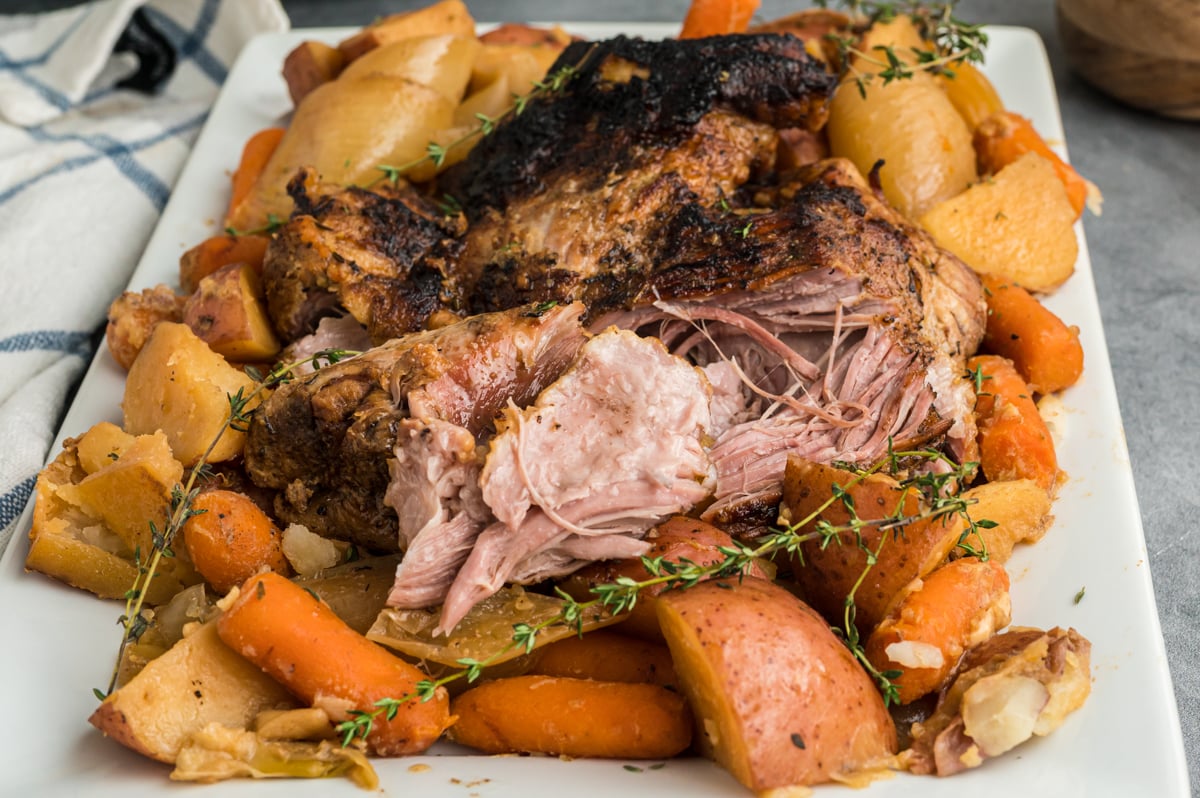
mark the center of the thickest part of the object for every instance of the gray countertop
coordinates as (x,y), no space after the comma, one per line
(1145,253)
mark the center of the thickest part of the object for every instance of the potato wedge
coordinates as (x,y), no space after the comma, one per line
(179,385)
(93,508)
(198,681)
(447,16)
(675,540)
(828,573)
(229,314)
(133,316)
(1020,509)
(1018,225)
(778,699)
(910,125)
(309,65)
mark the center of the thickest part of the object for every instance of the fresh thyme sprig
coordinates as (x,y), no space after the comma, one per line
(436,153)
(952,41)
(180,508)
(362,721)
(622,594)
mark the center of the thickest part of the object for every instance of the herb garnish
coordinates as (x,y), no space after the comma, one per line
(622,594)
(182,496)
(436,153)
(952,41)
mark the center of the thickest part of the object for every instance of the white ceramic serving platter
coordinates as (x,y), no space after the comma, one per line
(60,643)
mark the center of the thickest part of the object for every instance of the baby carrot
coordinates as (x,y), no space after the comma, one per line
(606,657)
(1004,137)
(213,253)
(258,150)
(959,605)
(1014,442)
(1044,350)
(717,17)
(293,637)
(232,539)
(573,717)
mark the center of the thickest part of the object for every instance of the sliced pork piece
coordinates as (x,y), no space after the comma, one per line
(381,255)
(846,326)
(324,441)
(605,453)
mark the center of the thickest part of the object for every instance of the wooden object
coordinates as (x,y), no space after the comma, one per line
(1146,54)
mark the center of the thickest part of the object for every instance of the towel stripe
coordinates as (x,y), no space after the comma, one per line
(12,504)
(73,342)
(190,43)
(72,164)
(55,98)
(38,60)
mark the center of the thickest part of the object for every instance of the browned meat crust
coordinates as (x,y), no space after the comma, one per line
(383,255)
(629,95)
(324,441)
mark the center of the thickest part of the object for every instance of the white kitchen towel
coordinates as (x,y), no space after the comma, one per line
(99,106)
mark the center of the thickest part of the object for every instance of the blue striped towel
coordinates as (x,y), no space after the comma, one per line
(99,105)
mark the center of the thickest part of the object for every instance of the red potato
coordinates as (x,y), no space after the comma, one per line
(309,65)
(828,573)
(572,717)
(290,634)
(676,540)
(228,313)
(778,699)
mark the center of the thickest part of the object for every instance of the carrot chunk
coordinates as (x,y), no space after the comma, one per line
(1004,137)
(1045,351)
(301,643)
(212,253)
(258,150)
(959,605)
(607,657)
(1014,442)
(717,17)
(573,717)
(232,539)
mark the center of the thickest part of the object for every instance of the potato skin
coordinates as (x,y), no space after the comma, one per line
(827,575)
(197,682)
(572,717)
(675,540)
(778,699)
(133,316)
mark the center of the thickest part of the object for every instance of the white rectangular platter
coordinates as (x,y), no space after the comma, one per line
(60,643)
